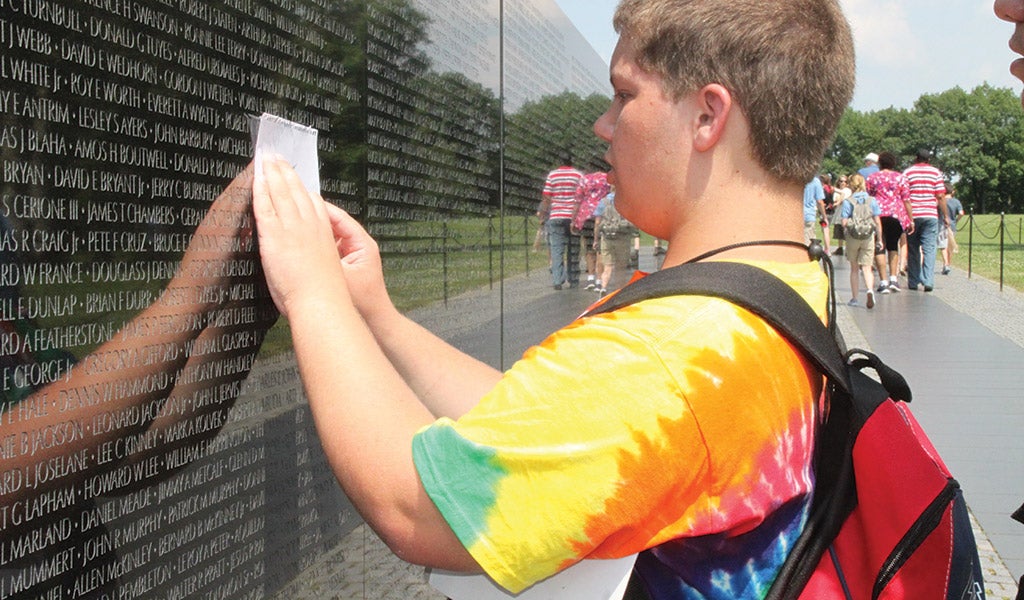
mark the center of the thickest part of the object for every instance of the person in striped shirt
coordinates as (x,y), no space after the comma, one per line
(558,207)
(928,204)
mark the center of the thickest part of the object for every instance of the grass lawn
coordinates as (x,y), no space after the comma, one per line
(979,239)
(428,263)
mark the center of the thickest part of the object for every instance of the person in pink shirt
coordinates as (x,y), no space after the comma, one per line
(892,191)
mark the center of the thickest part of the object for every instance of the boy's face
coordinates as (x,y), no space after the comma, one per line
(645,130)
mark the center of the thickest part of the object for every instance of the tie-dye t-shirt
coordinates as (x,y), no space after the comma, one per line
(682,422)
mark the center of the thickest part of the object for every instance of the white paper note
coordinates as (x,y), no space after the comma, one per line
(274,136)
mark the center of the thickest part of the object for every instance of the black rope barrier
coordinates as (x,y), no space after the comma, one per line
(993,237)
(1009,235)
(1003,236)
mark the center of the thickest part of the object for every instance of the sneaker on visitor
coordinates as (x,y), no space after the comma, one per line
(871,300)
(853,302)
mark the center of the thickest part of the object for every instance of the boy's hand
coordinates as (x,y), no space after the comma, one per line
(360,259)
(297,245)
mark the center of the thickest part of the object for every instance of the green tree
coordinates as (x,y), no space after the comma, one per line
(542,134)
(857,134)
(977,138)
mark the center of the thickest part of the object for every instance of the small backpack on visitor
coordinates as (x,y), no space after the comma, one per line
(888,520)
(862,225)
(614,224)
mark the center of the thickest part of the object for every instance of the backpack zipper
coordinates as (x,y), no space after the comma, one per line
(915,536)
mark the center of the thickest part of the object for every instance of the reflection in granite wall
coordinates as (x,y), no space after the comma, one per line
(154,439)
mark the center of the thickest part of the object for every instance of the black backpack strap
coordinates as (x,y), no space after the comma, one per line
(752,288)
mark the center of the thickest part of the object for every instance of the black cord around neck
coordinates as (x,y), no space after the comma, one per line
(815,252)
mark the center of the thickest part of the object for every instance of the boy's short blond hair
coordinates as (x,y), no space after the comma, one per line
(789,64)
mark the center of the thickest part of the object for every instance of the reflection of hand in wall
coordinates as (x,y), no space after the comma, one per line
(151,388)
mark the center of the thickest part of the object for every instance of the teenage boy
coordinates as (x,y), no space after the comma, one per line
(698,442)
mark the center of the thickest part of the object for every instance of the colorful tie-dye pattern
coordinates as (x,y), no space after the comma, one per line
(684,423)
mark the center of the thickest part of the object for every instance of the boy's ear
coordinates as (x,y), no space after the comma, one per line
(714,105)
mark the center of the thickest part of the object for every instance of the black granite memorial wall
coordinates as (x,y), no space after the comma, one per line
(154,438)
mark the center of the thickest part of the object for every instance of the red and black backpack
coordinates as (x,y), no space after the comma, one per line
(887,520)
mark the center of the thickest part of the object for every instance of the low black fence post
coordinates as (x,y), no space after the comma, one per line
(970,243)
(526,241)
(444,260)
(490,252)
(1002,247)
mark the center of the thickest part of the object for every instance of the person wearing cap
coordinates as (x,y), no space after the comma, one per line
(870,165)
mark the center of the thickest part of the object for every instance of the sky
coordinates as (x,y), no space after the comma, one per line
(905,48)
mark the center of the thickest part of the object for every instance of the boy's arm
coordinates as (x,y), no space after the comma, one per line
(448,381)
(909,208)
(366,418)
(365,414)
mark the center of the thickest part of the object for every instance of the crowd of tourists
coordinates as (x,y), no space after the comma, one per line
(579,219)
(891,224)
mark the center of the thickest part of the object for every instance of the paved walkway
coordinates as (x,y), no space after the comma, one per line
(960,347)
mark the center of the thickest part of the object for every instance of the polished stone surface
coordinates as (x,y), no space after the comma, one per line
(155,442)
